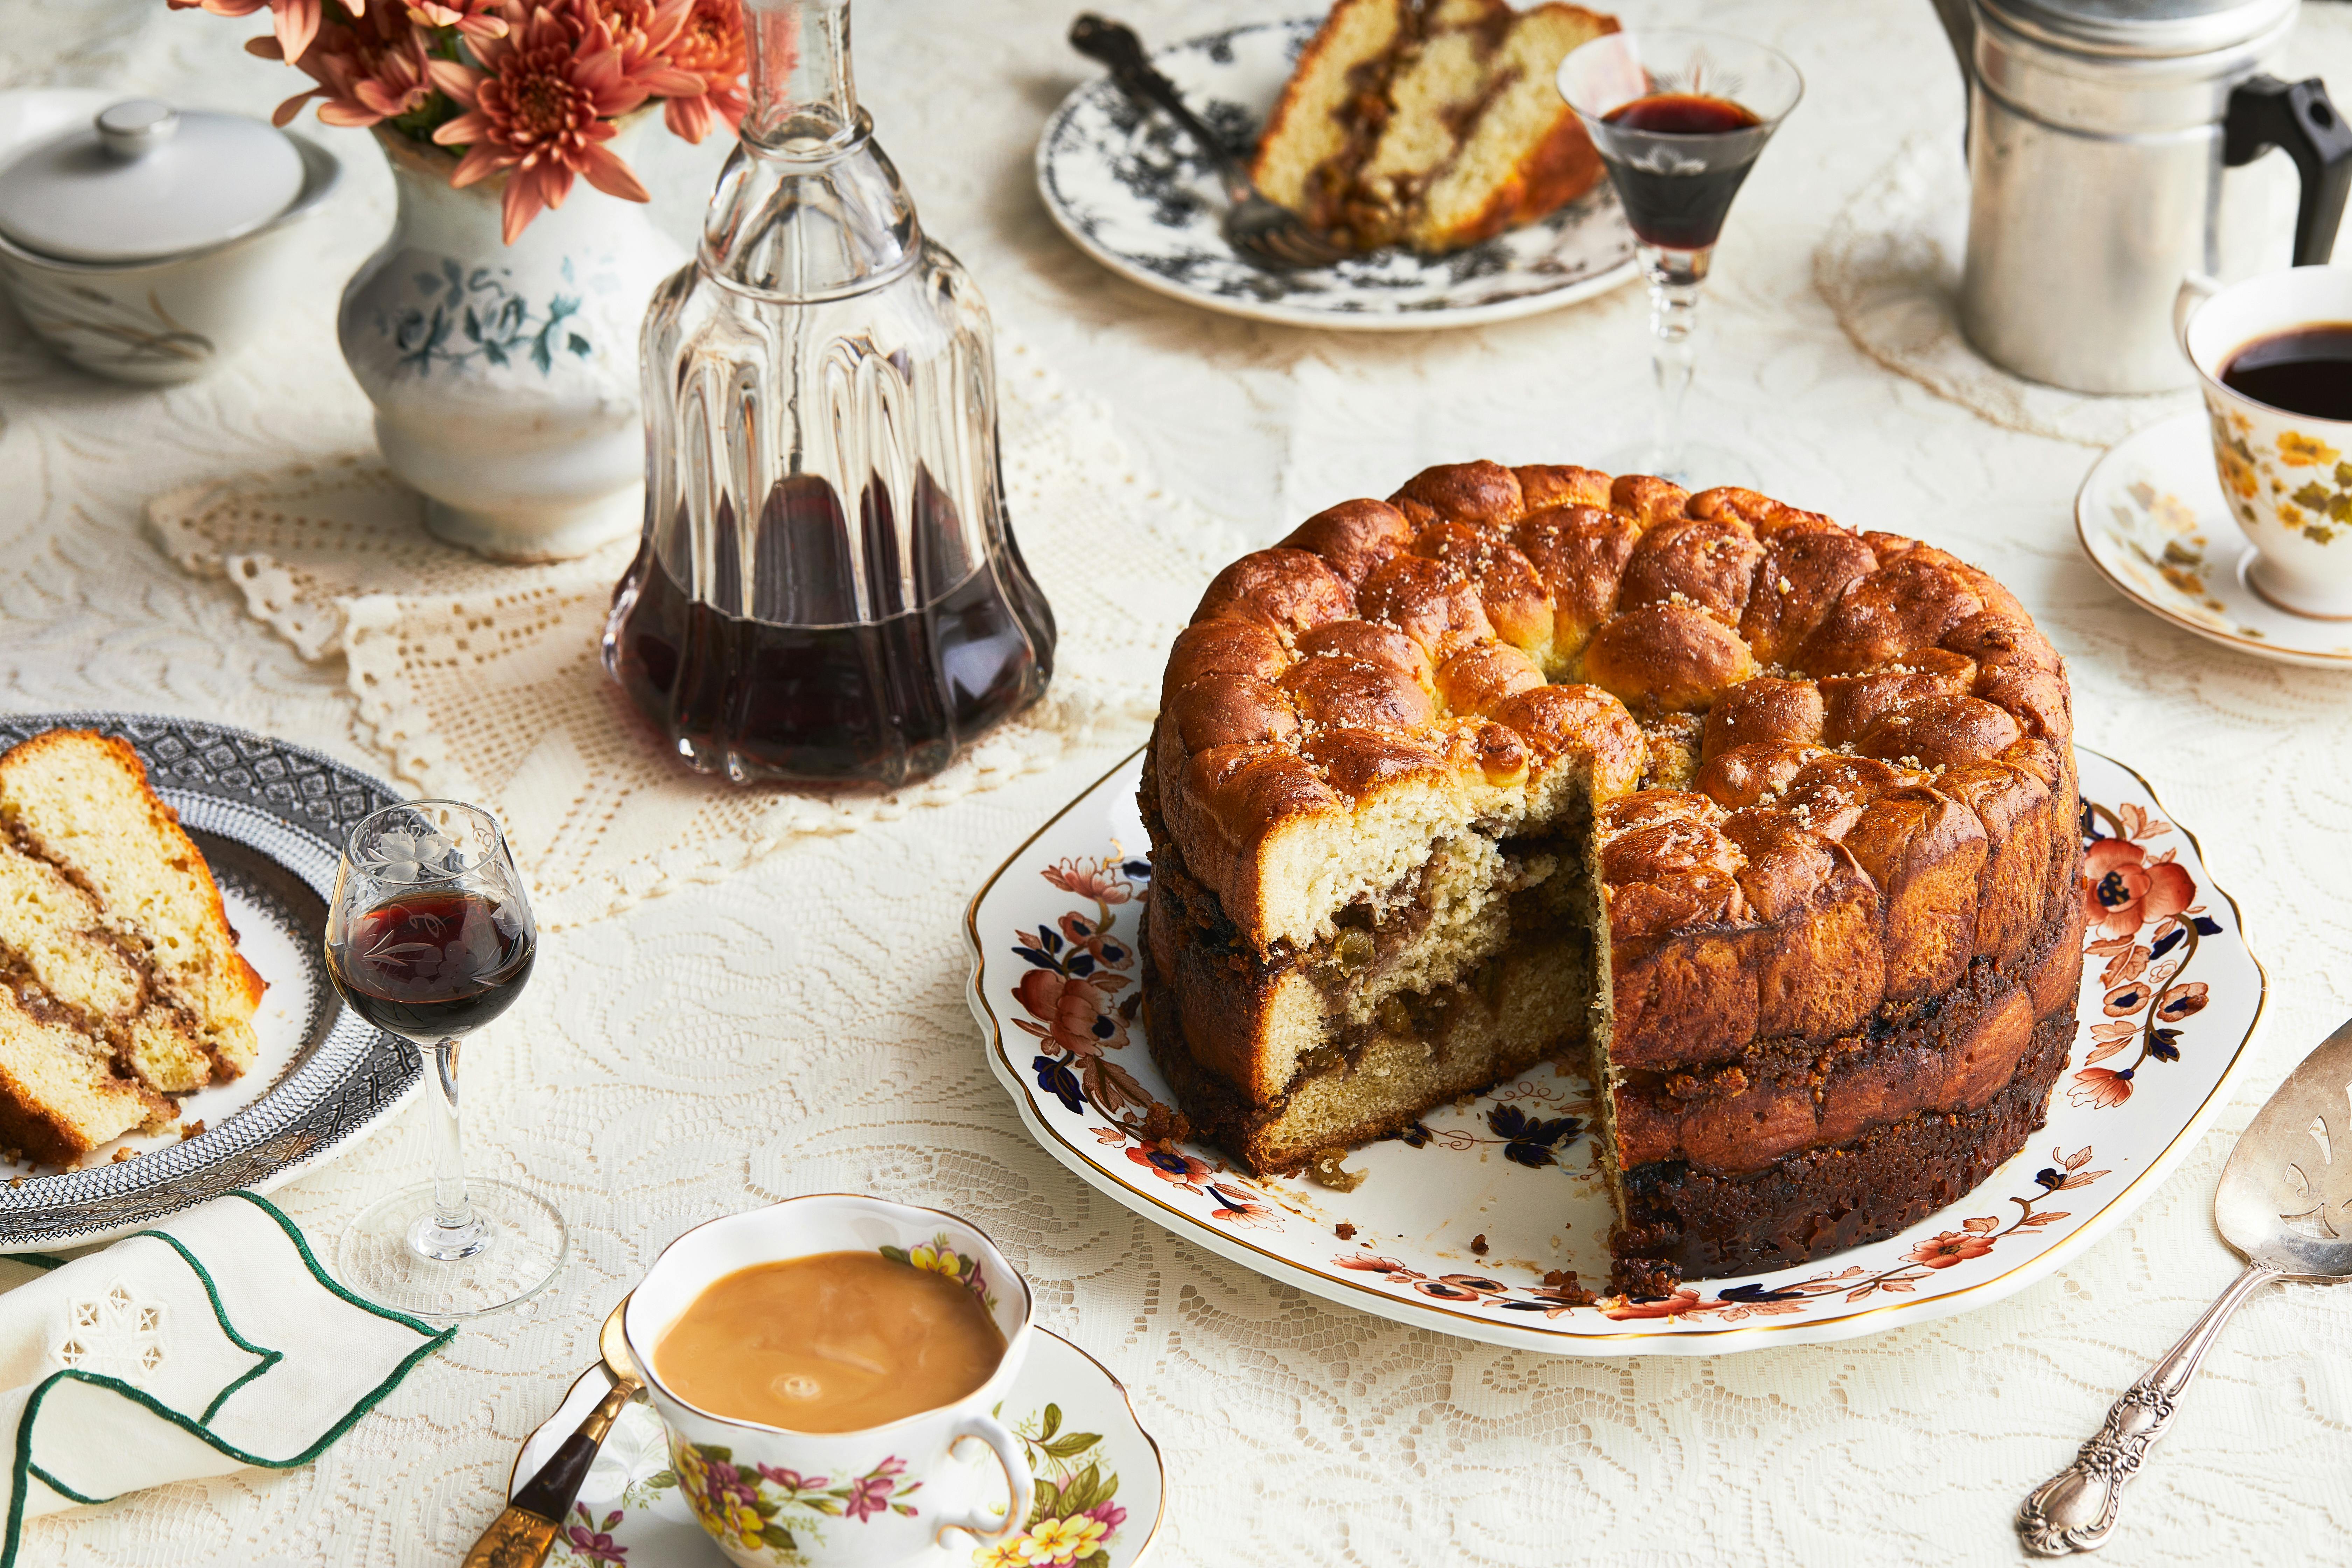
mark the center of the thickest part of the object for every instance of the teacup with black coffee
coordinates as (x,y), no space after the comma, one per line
(2273,358)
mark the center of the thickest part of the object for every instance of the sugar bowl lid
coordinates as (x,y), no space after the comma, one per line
(145,181)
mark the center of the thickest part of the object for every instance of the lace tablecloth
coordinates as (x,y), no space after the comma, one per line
(800,1025)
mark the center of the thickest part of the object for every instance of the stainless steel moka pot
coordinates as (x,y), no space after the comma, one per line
(2098,134)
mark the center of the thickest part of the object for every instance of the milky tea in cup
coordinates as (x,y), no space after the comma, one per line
(818,1364)
(2273,358)
(831,1342)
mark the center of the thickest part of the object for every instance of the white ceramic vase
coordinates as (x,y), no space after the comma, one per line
(505,377)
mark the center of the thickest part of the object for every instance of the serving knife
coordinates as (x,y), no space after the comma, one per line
(2286,1205)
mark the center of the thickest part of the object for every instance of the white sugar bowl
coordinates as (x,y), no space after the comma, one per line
(149,244)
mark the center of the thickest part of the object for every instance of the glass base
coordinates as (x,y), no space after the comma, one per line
(395,1255)
(1698,466)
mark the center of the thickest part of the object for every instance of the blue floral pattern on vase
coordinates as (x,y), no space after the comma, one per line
(470,316)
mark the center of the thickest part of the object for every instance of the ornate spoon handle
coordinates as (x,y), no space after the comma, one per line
(2074,1510)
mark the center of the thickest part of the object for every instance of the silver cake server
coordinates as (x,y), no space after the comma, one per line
(2285,1204)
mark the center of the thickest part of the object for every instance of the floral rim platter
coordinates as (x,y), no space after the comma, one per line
(270,818)
(2151,518)
(1100,1486)
(1131,193)
(1468,1224)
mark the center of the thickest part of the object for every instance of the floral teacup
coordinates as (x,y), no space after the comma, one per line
(2287,476)
(887,1495)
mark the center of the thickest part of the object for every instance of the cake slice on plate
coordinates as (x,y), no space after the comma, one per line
(120,981)
(1430,123)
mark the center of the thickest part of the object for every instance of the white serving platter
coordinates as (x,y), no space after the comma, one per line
(1455,1231)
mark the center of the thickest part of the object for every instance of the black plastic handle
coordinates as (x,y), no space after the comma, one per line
(2265,112)
(550,1493)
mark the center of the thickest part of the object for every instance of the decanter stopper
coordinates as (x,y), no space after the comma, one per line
(828,591)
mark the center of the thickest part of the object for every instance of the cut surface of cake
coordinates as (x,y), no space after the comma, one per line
(1431,123)
(1768,824)
(120,981)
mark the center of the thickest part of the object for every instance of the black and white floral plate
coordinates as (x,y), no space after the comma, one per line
(1471,1222)
(270,818)
(1133,195)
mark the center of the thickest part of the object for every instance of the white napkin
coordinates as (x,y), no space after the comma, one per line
(214,1341)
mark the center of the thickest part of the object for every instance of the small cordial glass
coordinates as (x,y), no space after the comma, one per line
(429,937)
(1678,116)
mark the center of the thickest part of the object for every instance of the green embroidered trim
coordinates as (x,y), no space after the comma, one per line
(269,1358)
(328,1280)
(24,1467)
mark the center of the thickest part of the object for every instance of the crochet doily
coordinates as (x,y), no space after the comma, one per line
(483,681)
(1890,268)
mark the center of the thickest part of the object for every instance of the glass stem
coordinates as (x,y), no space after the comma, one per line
(1674,277)
(452,1215)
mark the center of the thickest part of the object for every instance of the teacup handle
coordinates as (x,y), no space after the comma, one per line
(2195,289)
(991,1431)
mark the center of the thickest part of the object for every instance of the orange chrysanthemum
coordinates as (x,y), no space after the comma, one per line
(541,109)
(710,46)
(296,22)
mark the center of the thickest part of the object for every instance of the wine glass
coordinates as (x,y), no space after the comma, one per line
(429,937)
(1678,116)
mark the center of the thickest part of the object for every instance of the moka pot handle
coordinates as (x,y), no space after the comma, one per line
(2265,112)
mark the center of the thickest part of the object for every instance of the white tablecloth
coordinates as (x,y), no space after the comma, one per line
(801,1026)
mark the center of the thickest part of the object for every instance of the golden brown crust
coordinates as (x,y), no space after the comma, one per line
(1881,792)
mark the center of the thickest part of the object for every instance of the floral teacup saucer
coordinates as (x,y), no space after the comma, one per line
(2152,519)
(1101,1485)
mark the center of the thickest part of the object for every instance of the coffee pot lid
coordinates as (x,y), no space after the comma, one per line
(2145,30)
(144,181)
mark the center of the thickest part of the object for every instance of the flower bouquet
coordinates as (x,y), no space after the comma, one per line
(527,87)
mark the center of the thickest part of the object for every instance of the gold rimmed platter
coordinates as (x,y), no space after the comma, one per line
(1470,1224)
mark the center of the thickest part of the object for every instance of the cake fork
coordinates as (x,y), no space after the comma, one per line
(2286,1205)
(1262,233)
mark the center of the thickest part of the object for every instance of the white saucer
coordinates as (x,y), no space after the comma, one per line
(631,1515)
(2152,519)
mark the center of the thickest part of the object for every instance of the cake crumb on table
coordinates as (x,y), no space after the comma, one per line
(1344,1231)
(123,1154)
(191,1129)
(1478,1244)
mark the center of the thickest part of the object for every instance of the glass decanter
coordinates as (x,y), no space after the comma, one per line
(828,591)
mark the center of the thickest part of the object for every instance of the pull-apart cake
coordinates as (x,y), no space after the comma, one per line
(1769,824)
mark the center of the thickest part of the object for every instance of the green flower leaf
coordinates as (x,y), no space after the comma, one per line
(896,1255)
(1096,1558)
(1083,1491)
(661,1478)
(1071,1447)
(779,1539)
(1053,1423)
(724,1456)
(2313,495)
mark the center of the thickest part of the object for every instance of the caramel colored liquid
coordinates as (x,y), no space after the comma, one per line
(836,1341)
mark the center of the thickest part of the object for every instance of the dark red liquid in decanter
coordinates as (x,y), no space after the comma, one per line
(815,695)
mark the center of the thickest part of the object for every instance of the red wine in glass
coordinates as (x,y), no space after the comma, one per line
(1678,201)
(432,962)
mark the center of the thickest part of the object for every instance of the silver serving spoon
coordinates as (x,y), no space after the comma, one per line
(2285,1204)
(1263,234)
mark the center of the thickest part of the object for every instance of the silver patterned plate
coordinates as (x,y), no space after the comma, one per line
(1468,1222)
(1132,194)
(270,818)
